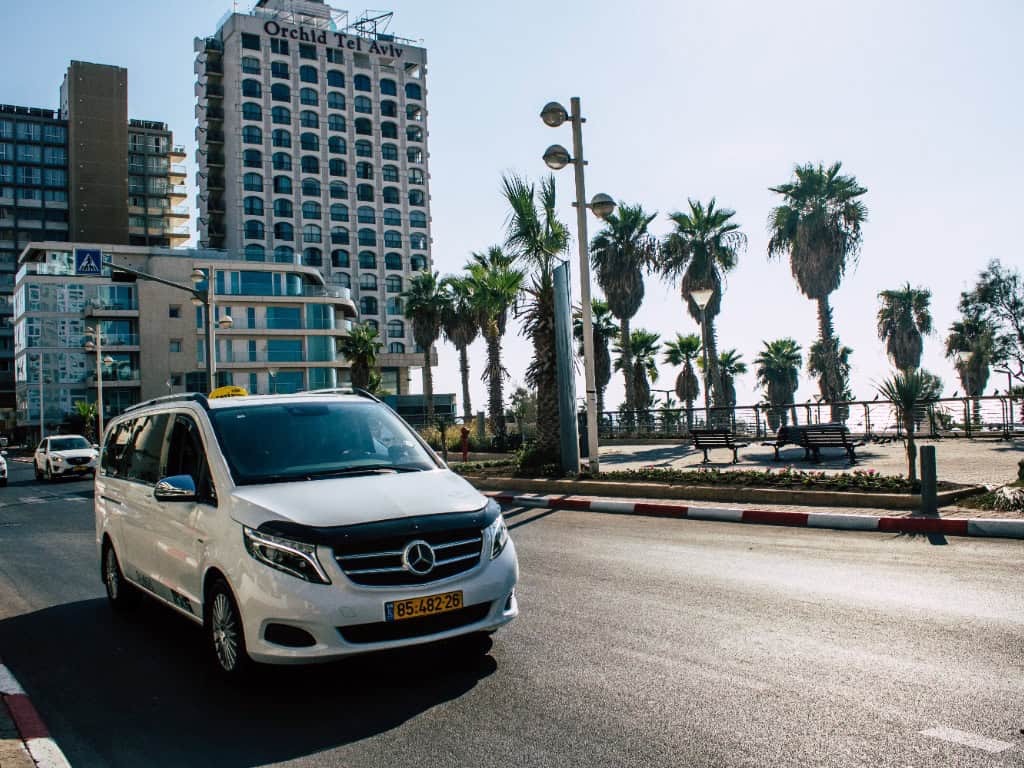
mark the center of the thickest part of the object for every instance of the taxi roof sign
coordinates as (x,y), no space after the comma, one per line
(228,391)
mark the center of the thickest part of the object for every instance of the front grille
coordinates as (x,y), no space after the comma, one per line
(378,563)
(78,460)
(382,631)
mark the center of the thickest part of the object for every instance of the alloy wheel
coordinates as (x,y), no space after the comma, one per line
(112,575)
(224,630)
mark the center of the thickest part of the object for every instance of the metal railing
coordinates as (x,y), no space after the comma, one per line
(987,416)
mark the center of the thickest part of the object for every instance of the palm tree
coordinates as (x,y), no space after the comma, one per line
(818,226)
(730,365)
(778,372)
(682,352)
(703,247)
(459,325)
(639,358)
(971,345)
(818,362)
(903,320)
(87,412)
(605,331)
(495,285)
(620,253)
(536,236)
(424,306)
(360,348)
(907,391)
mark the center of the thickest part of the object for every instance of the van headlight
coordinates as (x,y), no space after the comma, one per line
(498,535)
(296,558)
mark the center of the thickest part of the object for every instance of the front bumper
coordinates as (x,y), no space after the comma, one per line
(266,596)
(65,469)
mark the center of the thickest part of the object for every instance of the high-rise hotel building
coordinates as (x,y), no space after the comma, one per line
(312,150)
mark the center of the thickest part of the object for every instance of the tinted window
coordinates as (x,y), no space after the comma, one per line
(115,447)
(185,455)
(68,443)
(143,460)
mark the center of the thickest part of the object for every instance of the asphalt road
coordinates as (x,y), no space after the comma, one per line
(642,642)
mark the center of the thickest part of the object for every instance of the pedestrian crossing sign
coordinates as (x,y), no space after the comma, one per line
(88,261)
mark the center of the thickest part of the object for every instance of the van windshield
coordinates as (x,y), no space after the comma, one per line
(283,442)
(68,443)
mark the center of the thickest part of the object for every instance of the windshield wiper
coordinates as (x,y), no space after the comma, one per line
(365,469)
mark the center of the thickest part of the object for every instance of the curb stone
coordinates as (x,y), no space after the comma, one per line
(31,729)
(981,527)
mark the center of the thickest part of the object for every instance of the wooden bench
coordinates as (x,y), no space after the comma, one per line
(818,436)
(706,439)
(787,435)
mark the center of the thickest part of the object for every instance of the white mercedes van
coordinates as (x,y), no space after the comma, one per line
(297,528)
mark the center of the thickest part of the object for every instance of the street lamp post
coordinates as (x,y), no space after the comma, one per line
(200,298)
(557,157)
(42,401)
(702,296)
(94,343)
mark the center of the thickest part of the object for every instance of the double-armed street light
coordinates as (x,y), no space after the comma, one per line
(557,157)
(94,343)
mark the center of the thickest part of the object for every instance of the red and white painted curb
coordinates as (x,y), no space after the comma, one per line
(43,750)
(1006,529)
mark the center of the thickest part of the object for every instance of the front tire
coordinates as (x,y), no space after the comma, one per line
(39,473)
(225,633)
(48,474)
(120,594)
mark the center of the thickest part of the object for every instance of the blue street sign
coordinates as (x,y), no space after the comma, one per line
(88,261)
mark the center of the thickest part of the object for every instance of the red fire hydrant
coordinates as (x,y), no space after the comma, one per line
(465,445)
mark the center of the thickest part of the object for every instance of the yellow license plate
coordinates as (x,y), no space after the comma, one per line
(415,607)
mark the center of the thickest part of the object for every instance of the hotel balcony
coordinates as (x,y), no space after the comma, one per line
(177,170)
(112,309)
(177,153)
(178,192)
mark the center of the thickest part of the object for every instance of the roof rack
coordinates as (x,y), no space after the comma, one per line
(342,391)
(195,397)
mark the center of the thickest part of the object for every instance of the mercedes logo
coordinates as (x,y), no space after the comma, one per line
(418,558)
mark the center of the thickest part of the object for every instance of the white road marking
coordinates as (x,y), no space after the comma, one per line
(32,500)
(8,685)
(968,739)
(47,754)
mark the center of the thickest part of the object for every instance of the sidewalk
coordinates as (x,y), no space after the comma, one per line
(952,521)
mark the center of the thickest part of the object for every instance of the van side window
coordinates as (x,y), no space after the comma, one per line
(143,459)
(185,456)
(114,449)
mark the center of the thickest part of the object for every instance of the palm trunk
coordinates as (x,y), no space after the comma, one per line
(713,373)
(495,406)
(829,385)
(467,408)
(428,385)
(548,432)
(627,362)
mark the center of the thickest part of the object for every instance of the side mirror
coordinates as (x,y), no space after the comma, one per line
(95,446)
(176,488)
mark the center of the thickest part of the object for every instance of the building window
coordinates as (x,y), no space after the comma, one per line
(251,134)
(281,115)
(418,263)
(389,130)
(413,91)
(279,46)
(368,305)
(364,193)
(335,78)
(343,279)
(310,188)
(282,161)
(364,148)
(307,74)
(392,239)
(311,233)
(282,185)
(252,182)
(367,260)
(367,236)
(393,261)
(174,310)
(414,112)
(336,167)
(394,306)
(339,258)
(313,257)
(174,346)
(339,235)
(334,56)
(335,100)
(418,242)
(252,111)
(284,254)
(361,83)
(364,170)
(339,212)
(307,51)
(310,164)
(283,208)
(388,109)
(252,158)
(418,219)
(254,230)
(414,133)
(279,69)
(336,144)
(392,196)
(389,151)
(280,92)
(311,210)
(368,282)
(388,87)
(251,42)
(392,217)
(415,176)
(254,252)
(389,173)
(252,88)
(416,197)
(309,97)
(309,119)
(250,65)
(393,284)
(310,142)
(364,127)
(396,348)
(253,206)
(414,154)
(366,215)
(363,105)
(281,138)
(284,231)
(335,123)
(339,190)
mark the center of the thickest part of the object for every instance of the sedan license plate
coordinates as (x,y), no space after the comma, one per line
(415,607)
(81,469)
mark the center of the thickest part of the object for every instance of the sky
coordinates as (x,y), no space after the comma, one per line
(919,100)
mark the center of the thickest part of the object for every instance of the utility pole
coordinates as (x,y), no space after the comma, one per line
(569,442)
